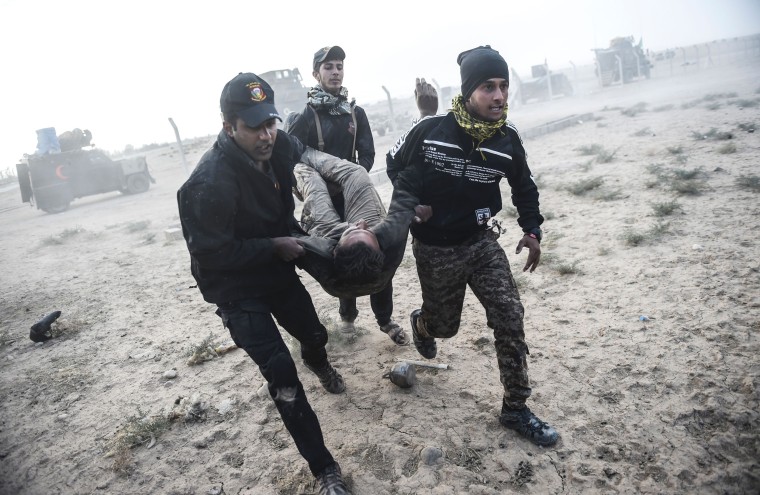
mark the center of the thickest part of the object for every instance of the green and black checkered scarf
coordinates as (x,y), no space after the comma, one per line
(479,130)
(335,105)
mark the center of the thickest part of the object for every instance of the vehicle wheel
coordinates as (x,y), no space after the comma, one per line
(137,183)
(57,208)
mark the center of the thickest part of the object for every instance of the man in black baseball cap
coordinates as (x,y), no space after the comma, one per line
(249,97)
(236,210)
(328,53)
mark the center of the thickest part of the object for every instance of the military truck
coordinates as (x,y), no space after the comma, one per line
(51,181)
(543,85)
(289,91)
(622,62)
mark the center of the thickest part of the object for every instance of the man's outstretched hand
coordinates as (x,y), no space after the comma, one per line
(426,96)
(535,252)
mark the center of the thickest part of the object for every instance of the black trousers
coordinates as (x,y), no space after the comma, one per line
(253,329)
(381,303)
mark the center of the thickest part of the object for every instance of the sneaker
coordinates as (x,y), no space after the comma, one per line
(528,425)
(425,345)
(329,378)
(330,481)
(347,327)
(396,333)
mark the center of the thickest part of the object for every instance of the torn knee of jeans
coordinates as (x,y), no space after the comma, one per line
(285,394)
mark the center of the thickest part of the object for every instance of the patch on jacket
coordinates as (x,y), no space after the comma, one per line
(482,215)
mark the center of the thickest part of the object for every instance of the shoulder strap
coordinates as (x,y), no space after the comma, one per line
(356,130)
(320,139)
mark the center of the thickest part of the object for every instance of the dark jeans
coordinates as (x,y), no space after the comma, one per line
(252,328)
(381,302)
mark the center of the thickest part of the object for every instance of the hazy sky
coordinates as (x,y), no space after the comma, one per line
(121,69)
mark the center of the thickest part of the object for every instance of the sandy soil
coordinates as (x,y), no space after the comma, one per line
(664,405)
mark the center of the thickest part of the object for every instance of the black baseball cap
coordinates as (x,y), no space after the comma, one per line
(328,53)
(249,97)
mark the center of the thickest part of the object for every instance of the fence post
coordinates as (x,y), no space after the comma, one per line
(179,143)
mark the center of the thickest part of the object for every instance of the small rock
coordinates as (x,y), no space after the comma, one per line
(200,443)
(430,455)
(697,247)
(169,374)
(225,406)
(142,356)
(263,391)
(63,416)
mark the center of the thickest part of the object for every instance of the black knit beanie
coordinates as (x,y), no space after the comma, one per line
(478,65)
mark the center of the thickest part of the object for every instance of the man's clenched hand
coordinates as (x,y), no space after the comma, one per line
(287,248)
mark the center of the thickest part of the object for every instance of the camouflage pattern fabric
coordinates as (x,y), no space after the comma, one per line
(480,263)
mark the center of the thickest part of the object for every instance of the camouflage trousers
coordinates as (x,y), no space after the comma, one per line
(480,263)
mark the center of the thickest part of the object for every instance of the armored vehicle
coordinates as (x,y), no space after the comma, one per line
(622,62)
(52,181)
(543,85)
(289,91)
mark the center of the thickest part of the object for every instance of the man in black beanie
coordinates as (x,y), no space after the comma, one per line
(454,163)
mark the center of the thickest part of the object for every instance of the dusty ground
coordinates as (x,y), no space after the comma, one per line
(666,228)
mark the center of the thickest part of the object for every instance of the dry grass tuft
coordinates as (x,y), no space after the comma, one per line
(646,131)
(583,186)
(207,349)
(612,195)
(589,149)
(139,226)
(137,430)
(727,149)
(751,182)
(745,103)
(681,174)
(688,187)
(747,126)
(713,134)
(635,109)
(665,209)
(55,240)
(634,238)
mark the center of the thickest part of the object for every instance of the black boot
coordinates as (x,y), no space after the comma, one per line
(329,378)
(330,481)
(528,425)
(426,346)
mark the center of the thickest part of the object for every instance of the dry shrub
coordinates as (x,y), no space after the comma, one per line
(137,430)
(727,149)
(583,186)
(665,209)
(713,134)
(751,182)
(635,109)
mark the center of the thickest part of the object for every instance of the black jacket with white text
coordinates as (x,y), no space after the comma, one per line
(437,164)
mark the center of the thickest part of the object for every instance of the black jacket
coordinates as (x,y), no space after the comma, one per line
(437,164)
(230,211)
(337,133)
